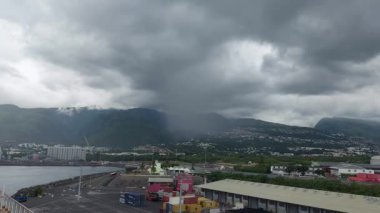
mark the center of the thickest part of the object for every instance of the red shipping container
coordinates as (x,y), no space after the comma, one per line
(190,200)
(154,188)
(165,198)
(371,176)
(357,179)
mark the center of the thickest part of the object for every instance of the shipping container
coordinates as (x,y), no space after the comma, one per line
(134,199)
(122,200)
(176,208)
(200,199)
(169,208)
(206,203)
(193,208)
(190,200)
(174,200)
(205,211)
(167,189)
(165,198)
(217,210)
(152,196)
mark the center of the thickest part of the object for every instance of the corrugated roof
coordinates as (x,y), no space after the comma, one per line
(342,202)
(160,180)
(346,166)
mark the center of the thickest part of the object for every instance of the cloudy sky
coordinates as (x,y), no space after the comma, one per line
(284,61)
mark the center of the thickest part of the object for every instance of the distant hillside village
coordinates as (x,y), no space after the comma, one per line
(48,153)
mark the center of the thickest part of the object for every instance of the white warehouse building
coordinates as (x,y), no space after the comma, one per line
(349,169)
(67,153)
(375,160)
(285,199)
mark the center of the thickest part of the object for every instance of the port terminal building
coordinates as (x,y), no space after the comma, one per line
(285,199)
(67,153)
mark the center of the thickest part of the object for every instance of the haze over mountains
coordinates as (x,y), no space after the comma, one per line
(351,127)
(126,128)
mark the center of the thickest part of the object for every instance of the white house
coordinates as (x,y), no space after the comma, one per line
(349,169)
(278,170)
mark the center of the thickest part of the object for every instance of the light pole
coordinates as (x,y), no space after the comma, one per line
(204,166)
(80,179)
(80,182)
(180,196)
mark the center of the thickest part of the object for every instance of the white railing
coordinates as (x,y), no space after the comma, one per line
(11,205)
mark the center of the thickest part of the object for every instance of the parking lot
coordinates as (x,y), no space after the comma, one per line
(95,197)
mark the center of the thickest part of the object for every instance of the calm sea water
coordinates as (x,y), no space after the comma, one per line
(14,178)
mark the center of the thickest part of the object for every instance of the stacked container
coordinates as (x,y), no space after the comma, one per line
(190,204)
(134,199)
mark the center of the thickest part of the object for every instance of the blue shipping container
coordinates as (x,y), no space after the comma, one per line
(134,199)
(169,208)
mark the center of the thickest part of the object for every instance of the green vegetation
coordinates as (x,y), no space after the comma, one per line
(263,162)
(269,160)
(259,168)
(318,184)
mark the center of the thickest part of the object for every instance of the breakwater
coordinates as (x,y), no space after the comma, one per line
(35,190)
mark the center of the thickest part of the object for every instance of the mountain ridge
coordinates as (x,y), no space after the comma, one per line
(351,127)
(121,128)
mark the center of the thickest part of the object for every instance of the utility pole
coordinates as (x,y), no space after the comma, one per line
(204,166)
(175,156)
(180,196)
(134,150)
(80,183)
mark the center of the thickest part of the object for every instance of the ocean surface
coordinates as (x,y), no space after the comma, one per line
(14,178)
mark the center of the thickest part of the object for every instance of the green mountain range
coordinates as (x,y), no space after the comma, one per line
(111,127)
(126,128)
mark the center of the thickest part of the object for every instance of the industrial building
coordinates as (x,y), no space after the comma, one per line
(349,169)
(67,153)
(375,160)
(284,199)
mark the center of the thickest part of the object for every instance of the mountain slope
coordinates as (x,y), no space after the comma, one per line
(114,128)
(126,128)
(351,127)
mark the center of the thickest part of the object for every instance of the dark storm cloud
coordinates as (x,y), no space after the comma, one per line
(258,58)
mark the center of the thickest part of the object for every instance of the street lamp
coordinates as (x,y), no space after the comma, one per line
(204,166)
(180,195)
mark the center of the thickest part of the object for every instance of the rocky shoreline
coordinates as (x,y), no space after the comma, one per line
(34,191)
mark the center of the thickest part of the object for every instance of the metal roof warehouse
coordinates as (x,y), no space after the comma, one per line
(278,198)
(160,180)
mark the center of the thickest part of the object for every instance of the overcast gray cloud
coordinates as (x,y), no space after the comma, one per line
(289,61)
